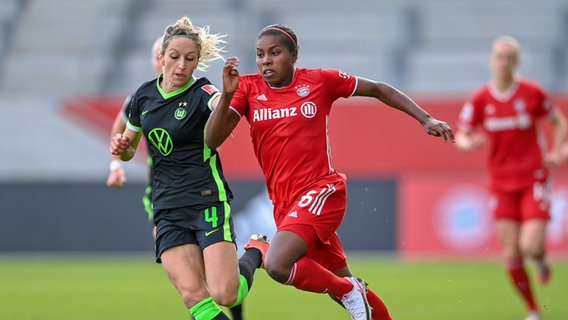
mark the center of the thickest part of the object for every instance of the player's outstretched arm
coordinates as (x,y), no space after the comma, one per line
(398,100)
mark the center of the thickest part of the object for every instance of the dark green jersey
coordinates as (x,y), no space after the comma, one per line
(186,171)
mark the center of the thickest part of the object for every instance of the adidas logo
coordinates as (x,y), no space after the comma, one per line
(262,97)
(293,214)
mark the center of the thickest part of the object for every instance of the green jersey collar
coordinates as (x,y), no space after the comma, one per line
(176,92)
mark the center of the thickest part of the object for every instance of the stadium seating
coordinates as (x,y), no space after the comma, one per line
(439,46)
(62,46)
(56,49)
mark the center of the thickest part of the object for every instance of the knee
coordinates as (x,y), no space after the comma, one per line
(191,298)
(532,248)
(512,252)
(224,296)
(533,251)
(278,271)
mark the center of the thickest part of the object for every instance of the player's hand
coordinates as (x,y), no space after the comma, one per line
(119,144)
(230,75)
(470,140)
(553,159)
(116,178)
(439,128)
(478,139)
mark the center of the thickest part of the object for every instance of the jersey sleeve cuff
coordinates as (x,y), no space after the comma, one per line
(133,127)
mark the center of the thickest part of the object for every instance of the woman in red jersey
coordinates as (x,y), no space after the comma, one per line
(288,110)
(508,112)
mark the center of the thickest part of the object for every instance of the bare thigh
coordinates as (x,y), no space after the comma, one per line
(184,267)
(222,272)
(508,231)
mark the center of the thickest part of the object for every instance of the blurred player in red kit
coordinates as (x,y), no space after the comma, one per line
(288,110)
(508,112)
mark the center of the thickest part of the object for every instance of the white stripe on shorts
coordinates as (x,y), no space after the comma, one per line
(319,202)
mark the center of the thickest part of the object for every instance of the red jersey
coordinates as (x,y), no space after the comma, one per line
(511,121)
(288,127)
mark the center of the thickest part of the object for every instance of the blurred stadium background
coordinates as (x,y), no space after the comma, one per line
(66,65)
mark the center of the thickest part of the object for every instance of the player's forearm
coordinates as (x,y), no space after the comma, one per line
(124,145)
(398,100)
(128,154)
(118,126)
(217,129)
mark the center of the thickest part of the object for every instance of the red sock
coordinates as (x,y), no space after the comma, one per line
(520,280)
(380,311)
(308,275)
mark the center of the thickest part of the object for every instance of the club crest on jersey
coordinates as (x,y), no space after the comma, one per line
(520,105)
(180,113)
(303,90)
(209,88)
(489,109)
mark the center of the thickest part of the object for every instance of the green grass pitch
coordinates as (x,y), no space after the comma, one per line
(134,287)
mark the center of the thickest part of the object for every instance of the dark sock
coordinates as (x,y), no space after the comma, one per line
(249,262)
(237,312)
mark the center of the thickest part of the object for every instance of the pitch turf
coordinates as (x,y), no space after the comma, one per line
(133,287)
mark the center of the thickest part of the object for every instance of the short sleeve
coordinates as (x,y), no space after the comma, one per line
(210,93)
(134,115)
(470,114)
(342,84)
(239,102)
(125,109)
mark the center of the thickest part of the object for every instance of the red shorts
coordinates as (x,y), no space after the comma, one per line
(532,202)
(315,216)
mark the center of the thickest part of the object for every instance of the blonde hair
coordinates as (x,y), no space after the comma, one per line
(513,42)
(209,45)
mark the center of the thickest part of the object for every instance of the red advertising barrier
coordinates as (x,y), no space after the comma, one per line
(447,214)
